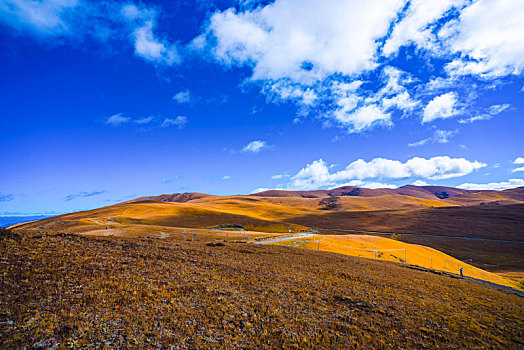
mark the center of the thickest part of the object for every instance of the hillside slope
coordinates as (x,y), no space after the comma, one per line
(132,293)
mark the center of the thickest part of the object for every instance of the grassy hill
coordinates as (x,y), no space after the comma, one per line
(65,290)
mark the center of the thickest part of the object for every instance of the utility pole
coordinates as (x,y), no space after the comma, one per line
(192,236)
(318,245)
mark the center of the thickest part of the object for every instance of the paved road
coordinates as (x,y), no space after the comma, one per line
(418,234)
(303,235)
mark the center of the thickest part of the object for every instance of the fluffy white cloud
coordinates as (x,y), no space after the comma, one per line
(504,185)
(147,45)
(488,35)
(439,136)
(420,183)
(182,96)
(363,118)
(317,174)
(416,24)
(517,169)
(519,160)
(442,106)
(179,121)
(303,40)
(255,146)
(366,184)
(117,119)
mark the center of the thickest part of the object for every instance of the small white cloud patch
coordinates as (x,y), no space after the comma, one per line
(182,96)
(117,119)
(179,121)
(495,186)
(255,146)
(439,136)
(441,107)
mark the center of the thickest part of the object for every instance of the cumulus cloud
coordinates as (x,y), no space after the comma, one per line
(517,169)
(303,40)
(366,184)
(255,146)
(317,174)
(318,54)
(179,121)
(519,160)
(417,24)
(504,185)
(442,106)
(488,35)
(439,136)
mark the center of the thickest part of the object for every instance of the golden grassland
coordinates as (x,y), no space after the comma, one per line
(293,214)
(380,248)
(73,291)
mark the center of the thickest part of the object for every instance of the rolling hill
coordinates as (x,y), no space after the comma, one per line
(184,264)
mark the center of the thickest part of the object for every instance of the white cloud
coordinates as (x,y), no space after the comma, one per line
(517,169)
(440,107)
(279,176)
(142,20)
(227,177)
(439,136)
(363,118)
(104,21)
(255,146)
(145,120)
(488,35)
(179,121)
(42,17)
(261,189)
(182,96)
(519,160)
(317,174)
(491,112)
(415,27)
(504,185)
(303,40)
(117,119)
(420,183)
(367,184)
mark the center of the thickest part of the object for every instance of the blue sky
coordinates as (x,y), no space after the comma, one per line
(105,101)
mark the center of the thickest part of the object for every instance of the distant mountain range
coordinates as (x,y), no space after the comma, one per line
(454,195)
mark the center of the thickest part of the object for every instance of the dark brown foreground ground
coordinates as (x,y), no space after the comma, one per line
(72,291)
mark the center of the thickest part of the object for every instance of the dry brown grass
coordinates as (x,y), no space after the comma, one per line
(71,291)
